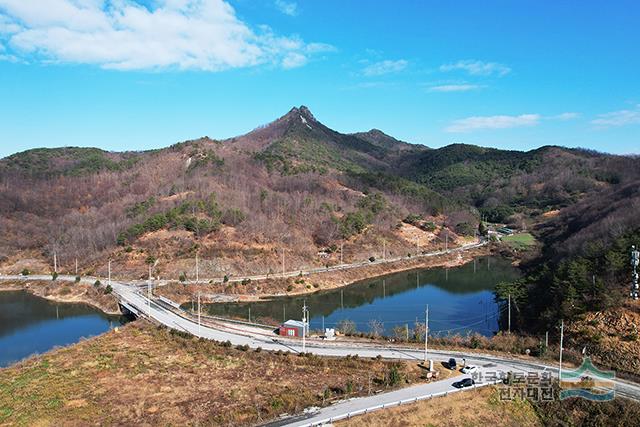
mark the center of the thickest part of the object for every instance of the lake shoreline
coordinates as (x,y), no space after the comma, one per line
(462,300)
(317,282)
(66,293)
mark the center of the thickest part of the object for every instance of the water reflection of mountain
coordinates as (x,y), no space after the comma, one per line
(19,310)
(466,279)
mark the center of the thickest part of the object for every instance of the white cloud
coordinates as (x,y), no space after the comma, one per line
(565,116)
(7,26)
(4,56)
(294,60)
(287,7)
(121,34)
(493,122)
(454,88)
(385,67)
(618,118)
(479,68)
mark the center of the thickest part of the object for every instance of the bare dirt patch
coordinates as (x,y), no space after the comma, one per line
(611,337)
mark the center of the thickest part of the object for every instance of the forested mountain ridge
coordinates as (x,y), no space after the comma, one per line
(501,182)
(47,162)
(297,142)
(293,183)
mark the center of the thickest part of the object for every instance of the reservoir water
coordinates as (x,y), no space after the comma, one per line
(461,300)
(30,325)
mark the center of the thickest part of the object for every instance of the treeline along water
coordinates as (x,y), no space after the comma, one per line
(461,300)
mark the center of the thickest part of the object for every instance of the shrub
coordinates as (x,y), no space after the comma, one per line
(412,219)
(474,342)
(121,240)
(349,387)
(183,277)
(289,288)
(128,249)
(465,228)
(233,217)
(108,290)
(372,259)
(347,327)
(54,276)
(226,278)
(25,272)
(428,226)
(97,283)
(78,278)
(394,377)
(352,223)
(245,282)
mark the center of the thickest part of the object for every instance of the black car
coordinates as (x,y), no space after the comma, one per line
(467,382)
(452,364)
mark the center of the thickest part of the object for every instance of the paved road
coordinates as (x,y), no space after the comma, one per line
(240,335)
(339,267)
(358,406)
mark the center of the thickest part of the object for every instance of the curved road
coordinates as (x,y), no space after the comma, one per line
(254,338)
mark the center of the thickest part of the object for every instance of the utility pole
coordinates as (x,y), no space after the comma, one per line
(635,260)
(284,313)
(446,241)
(282,262)
(426,335)
(197,270)
(305,313)
(561,342)
(323,324)
(341,252)
(149,294)
(76,266)
(199,313)
(109,273)
(55,262)
(546,340)
(384,249)
(509,313)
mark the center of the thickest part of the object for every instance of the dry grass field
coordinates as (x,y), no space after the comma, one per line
(481,407)
(145,375)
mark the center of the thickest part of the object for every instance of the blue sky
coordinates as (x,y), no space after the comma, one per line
(125,75)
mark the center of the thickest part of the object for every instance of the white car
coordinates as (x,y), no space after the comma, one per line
(469,369)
